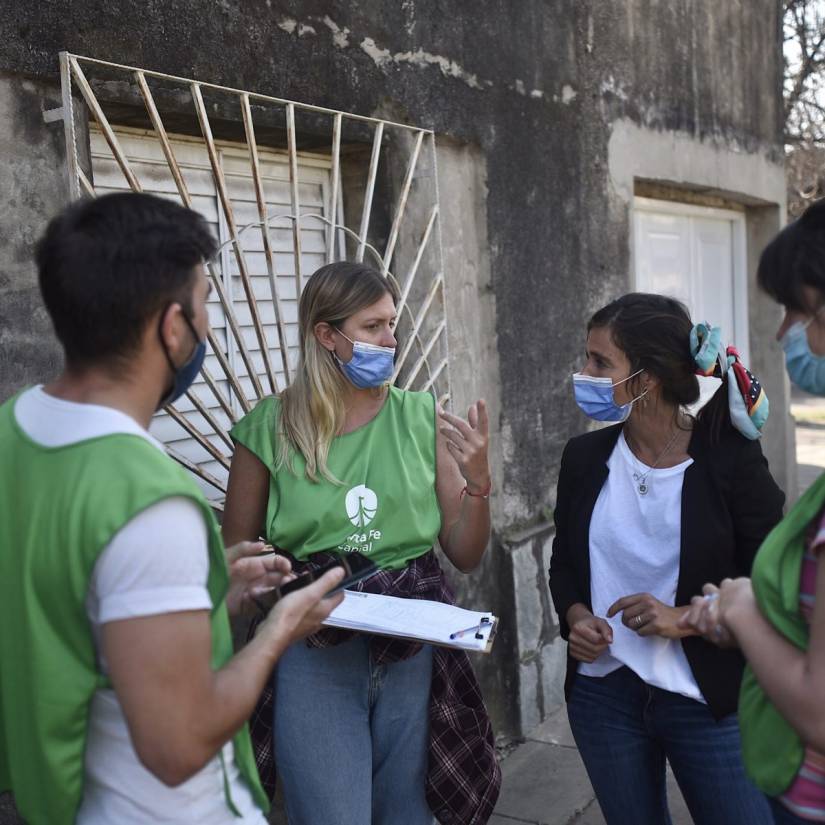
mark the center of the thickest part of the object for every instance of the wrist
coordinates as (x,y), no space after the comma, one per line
(576,612)
(479,488)
(738,614)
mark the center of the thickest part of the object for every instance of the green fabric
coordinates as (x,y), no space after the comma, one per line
(386,508)
(772,750)
(59,508)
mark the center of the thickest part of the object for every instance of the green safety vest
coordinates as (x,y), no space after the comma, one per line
(771,748)
(386,507)
(59,508)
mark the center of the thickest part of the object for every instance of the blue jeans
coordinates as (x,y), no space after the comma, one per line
(626,729)
(352,737)
(782,816)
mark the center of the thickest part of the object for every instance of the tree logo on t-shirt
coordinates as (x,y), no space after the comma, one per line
(362,505)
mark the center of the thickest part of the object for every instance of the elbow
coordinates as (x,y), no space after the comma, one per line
(173,766)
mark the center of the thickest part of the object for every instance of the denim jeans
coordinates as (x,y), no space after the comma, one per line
(352,737)
(626,729)
(782,816)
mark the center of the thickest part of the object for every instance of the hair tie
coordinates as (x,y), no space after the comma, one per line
(706,349)
(747,401)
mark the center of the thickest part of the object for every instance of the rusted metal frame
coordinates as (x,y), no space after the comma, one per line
(227,369)
(197,470)
(423,357)
(207,445)
(417,323)
(86,183)
(213,422)
(293,193)
(69,131)
(434,377)
(216,391)
(223,196)
(260,197)
(333,196)
(444,303)
(370,190)
(103,122)
(186,198)
(254,95)
(402,202)
(163,137)
(417,262)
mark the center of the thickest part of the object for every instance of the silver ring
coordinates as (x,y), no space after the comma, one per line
(639,620)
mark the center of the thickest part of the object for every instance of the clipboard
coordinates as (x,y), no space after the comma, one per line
(415,620)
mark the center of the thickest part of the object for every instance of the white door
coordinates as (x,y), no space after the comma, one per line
(695,254)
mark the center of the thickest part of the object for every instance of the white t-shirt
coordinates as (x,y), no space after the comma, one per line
(635,547)
(157,563)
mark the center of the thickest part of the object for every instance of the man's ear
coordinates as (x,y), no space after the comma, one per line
(325,334)
(169,326)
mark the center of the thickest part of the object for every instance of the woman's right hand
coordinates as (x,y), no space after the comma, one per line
(589,635)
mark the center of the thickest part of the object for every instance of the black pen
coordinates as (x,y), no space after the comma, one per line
(459,633)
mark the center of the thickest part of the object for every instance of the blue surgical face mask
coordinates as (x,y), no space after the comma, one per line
(188,372)
(370,365)
(595,397)
(804,368)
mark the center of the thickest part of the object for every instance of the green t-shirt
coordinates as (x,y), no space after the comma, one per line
(386,507)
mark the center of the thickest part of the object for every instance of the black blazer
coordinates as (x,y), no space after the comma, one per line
(730,502)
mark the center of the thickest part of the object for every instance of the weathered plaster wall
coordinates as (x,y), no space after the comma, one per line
(30,157)
(534,90)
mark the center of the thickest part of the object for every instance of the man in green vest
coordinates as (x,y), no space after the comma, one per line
(120,698)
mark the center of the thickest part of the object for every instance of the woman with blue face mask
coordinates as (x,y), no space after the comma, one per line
(365,728)
(777,617)
(645,510)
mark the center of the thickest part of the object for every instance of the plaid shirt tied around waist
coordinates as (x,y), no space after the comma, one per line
(463,775)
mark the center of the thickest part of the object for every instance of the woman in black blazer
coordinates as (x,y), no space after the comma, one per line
(647,511)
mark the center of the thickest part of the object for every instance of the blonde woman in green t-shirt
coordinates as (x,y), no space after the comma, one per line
(341,461)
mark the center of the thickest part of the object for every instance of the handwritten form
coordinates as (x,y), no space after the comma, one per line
(417,619)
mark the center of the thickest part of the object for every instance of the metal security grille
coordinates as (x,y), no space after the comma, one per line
(279,210)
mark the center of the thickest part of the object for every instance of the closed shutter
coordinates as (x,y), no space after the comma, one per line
(146,159)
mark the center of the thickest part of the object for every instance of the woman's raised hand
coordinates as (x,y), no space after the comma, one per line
(467,442)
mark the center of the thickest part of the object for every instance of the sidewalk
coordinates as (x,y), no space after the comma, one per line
(544,782)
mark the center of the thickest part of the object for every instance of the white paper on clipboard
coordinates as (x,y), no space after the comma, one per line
(416,619)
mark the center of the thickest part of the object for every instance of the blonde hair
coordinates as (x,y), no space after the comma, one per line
(312,406)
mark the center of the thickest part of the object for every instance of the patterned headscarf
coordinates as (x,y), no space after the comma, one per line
(747,401)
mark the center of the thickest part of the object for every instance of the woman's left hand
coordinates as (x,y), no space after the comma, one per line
(647,616)
(467,443)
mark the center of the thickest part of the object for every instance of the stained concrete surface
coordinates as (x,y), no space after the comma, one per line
(545,783)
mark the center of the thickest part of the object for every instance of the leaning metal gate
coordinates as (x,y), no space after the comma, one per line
(280,209)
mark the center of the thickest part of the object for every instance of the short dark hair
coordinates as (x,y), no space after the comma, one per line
(107,265)
(795,258)
(653,331)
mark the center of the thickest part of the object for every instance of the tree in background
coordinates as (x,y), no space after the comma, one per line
(804,93)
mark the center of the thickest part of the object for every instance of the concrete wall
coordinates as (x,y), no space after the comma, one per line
(547,112)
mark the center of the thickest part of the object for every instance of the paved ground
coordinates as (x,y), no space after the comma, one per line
(544,783)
